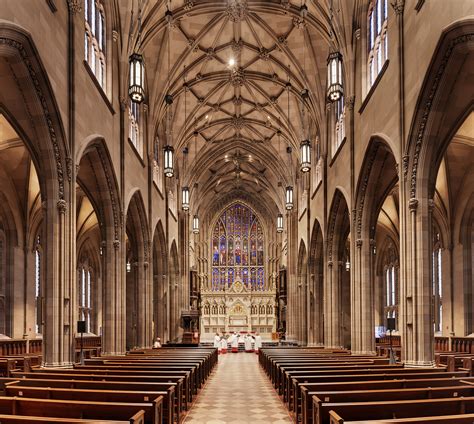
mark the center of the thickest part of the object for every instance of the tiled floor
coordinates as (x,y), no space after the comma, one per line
(238,392)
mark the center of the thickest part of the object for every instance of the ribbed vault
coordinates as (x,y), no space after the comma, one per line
(247,81)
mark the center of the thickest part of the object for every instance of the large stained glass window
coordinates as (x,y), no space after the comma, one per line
(237,249)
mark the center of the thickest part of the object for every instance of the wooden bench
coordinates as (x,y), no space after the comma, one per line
(447,419)
(62,374)
(390,409)
(293,391)
(19,389)
(79,409)
(138,418)
(364,386)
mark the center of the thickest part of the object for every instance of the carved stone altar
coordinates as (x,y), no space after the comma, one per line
(237,308)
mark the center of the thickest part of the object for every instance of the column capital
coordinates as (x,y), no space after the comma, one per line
(398,6)
(116,244)
(75,6)
(330,264)
(359,243)
(413,204)
(62,206)
(431,205)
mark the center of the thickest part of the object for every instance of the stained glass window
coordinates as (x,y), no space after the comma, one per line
(237,249)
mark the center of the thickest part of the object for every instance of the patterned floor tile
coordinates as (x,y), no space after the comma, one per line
(238,392)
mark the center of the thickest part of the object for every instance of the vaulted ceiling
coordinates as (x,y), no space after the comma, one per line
(247,79)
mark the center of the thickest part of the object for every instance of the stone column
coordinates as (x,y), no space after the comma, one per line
(292,279)
(58,337)
(332,306)
(362,302)
(113,337)
(416,293)
(144,297)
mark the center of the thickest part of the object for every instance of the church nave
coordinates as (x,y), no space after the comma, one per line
(238,392)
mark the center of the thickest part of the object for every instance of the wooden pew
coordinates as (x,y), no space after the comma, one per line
(124,376)
(387,395)
(391,409)
(78,409)
(289,372)
(365,386)
(447,419)
(191,382)
(293,391)
(138,418)
(19,389)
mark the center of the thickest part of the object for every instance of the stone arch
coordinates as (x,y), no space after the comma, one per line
(301,296)
(96,174)
(175,298)
(160,288)
(316,287)
(337,288)
(377,187)
(36,119)
(444,103)
(138,291)
(447,77)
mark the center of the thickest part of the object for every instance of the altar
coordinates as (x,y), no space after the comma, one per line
(239,309)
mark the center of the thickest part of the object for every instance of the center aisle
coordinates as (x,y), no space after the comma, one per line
(238,392)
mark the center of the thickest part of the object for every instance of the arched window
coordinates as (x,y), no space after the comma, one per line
(237,249)
(94,39)
(340,129)
(377,42)
(437,280)
(85,295)
(390,270)
(134,126)
(38,286)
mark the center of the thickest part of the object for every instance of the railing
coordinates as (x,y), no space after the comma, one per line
(462,344)
(88,342)
(23,346)
(442,344)
(385,340)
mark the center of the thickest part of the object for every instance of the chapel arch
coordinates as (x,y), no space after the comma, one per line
(337,287)
(174,294)
(138,288)
(160,285)
(299,317)
(444,105)
(377,217)
(316,289)
(98,225)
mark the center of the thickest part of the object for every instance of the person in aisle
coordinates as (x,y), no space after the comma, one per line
(258,342)
(223,345)
(217,342)
(248,343)
(235,342)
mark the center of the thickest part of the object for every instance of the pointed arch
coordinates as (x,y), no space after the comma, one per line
(316,287)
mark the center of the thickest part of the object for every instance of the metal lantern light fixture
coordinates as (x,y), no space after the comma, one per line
(185,198)
(279,223)
(289,198)
(348,265)
(168,158)
(195,224)
(334,82)
(305,155)
(136,86)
